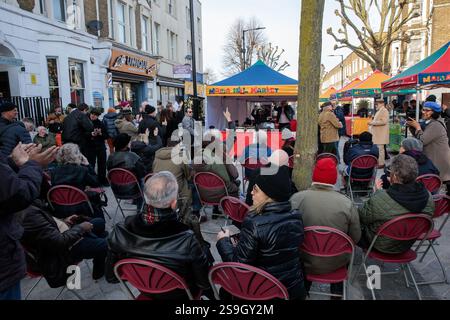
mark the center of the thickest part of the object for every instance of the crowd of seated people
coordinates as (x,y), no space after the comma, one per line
(168,230)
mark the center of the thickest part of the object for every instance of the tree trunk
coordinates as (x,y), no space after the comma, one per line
(308,91)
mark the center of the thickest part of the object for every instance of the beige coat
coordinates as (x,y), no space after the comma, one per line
(322,206)
(329,127)
(435,146)
(127,127)
(379,127)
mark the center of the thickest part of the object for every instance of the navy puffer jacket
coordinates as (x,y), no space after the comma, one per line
(11,133)
(109,120)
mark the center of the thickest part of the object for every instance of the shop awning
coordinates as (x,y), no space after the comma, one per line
(369,87)
(257,81)
(339,95)
(432,71)
(325,96)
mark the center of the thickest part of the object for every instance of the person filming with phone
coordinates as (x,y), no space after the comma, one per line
(434,138)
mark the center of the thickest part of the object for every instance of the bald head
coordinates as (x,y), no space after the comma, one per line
(279,158)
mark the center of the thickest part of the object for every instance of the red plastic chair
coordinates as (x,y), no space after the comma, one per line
(209,182)
(404,228)
(432,182)
(234,208)
(246,282)
(149,277)
(329,242)
(63,196)
(125,186)
(442,208)
(327,155)
(362,162)
(148,177)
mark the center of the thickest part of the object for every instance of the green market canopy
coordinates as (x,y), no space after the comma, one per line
(433,71)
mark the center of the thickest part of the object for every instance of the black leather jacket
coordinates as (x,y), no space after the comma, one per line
(168,243)
(77,128)
(49,246)
(270,241)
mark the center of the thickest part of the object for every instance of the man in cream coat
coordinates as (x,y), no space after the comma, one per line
(379,127)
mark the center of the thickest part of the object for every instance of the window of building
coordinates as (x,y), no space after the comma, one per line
(111,18)
(416,6)
(171,7)
(121,23)
(157,38)
(53,81)
(59,10)
(415,51)
(199,29)
(131,26)
(173,46)
(188,18)
(189,48)
(145,33)
(76,73)
(42,8)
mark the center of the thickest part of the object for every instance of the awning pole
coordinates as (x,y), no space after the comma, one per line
(419,98)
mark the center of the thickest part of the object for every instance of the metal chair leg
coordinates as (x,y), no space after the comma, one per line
(60,292)
(32,288)
(369,283)
(345,290)
(414,281)
(75,293)
(444,280)
(426,251)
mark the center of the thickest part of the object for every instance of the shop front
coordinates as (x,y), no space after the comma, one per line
(168,89)
(130,74)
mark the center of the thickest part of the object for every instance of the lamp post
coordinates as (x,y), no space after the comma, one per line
(196,103)
(342,67)
(243,42)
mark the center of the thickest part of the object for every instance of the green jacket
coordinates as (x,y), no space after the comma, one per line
(47,141)
(322,206)
(382,208)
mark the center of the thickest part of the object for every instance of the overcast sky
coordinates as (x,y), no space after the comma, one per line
(281,19)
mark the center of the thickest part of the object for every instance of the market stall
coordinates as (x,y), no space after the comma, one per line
(325,96)
(369,88)
(259,83)
(430,73)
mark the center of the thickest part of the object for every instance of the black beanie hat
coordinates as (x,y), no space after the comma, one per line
(277,186)
(149,109)
(7,106)
(431,98)
(121,141)
(365,137)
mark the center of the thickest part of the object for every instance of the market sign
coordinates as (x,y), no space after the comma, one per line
(256,91)
(189,89)
(435,78)
(127,62)
(11,61)
(182,71)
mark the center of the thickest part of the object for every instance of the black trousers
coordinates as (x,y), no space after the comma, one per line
(97,155)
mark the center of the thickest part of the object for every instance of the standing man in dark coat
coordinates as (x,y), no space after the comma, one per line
(21,183)
(77,128)
(96,148)
(11,131)
(285,113)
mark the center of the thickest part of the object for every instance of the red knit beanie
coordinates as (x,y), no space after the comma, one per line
(325,171)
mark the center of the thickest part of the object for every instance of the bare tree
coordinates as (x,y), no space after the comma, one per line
(374,43)
(209,76)
(233,59)
(308,91)
(271,56)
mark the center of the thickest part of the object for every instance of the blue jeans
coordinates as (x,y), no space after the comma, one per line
(337,151)
(13,293)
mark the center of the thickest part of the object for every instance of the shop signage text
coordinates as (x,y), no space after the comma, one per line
(434,78)
(253,90)
(131,63)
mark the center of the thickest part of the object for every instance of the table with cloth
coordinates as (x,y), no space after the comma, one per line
(359,125)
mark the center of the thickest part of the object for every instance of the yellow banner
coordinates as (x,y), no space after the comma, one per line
(252,91)
(189,88)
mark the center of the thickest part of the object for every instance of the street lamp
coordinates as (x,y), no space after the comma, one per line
(243,40)
(342,67)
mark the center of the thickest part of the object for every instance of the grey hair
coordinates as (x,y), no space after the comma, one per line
(405,168)
(69,153)
(161,190)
